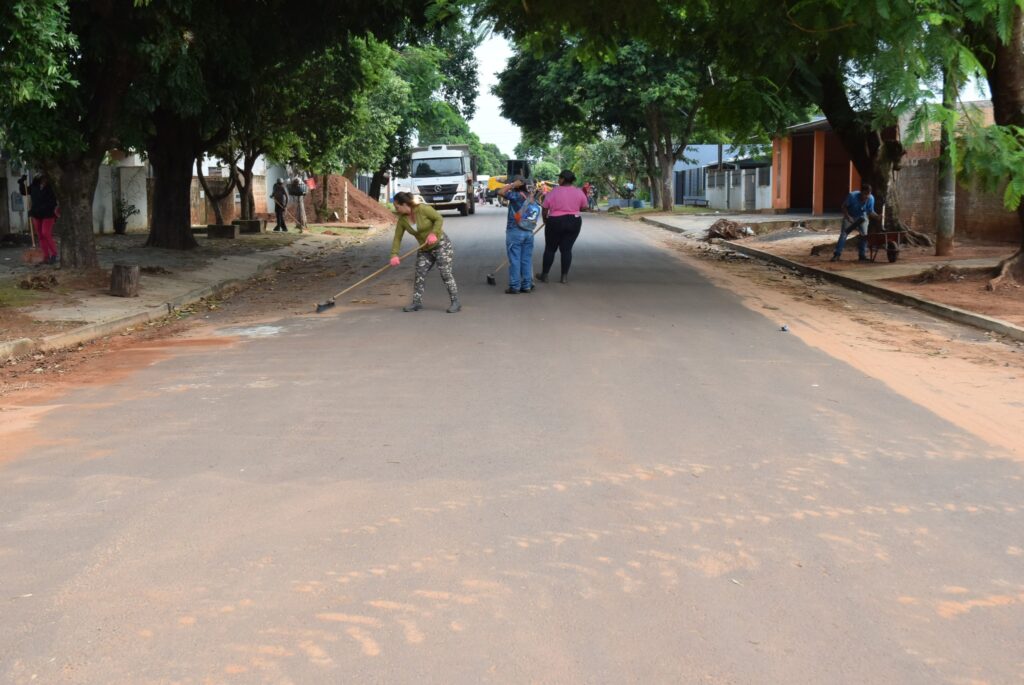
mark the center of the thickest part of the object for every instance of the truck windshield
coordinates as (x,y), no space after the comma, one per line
(437,166)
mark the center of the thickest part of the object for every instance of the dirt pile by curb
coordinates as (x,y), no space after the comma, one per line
(361,207)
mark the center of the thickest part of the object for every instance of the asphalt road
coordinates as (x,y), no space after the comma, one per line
(629,479)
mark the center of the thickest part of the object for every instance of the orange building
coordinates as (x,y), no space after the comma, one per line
(811,170)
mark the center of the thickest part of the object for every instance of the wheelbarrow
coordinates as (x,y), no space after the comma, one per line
(889,241)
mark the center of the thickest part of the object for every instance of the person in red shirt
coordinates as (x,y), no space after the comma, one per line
(562,223)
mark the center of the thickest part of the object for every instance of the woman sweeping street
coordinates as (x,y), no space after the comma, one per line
(44,212)
(424,223)
(562,207)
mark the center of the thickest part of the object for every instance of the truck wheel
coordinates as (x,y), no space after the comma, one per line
(463,210)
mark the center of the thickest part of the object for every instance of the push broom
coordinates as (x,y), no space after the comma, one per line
(491,280)
(330,302)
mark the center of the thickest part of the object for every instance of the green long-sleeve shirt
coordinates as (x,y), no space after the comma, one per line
(428,220)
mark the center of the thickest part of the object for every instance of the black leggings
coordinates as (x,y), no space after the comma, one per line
(559,235)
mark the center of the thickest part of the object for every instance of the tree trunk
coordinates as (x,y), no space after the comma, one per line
(872,153)
(322,208)
(945,210)
(243,179)
(75,186)
(171,153)
(1004,66)
(214,198)
(668,185)
(380,177)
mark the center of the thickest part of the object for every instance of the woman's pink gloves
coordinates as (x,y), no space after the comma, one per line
(395,261)
(431,239)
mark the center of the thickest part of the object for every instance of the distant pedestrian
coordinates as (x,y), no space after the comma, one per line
(562,207)
(44,212)
(858,206)
(587,190)
(424,223)
(280,196)
(519,244)
(592,197)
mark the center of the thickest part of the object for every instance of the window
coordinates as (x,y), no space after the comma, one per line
(439,166)
(736,175)
(764,176)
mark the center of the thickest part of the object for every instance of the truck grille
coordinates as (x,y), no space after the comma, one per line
(444,189)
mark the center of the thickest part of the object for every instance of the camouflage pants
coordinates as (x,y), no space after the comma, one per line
(443,255)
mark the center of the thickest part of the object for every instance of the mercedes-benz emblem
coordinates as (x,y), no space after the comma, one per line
(437,189)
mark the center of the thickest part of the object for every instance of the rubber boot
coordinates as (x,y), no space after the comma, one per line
(456,306)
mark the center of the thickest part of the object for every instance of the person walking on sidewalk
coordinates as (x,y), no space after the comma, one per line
(562,207)
(519,244)
(858,206)
(280,197)
(44,212)
(424,223)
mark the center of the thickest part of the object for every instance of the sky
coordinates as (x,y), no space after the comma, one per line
(488,123)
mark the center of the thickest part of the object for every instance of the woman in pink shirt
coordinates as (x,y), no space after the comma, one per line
(562,223)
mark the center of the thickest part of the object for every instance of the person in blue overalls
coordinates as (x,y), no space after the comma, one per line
(858,206)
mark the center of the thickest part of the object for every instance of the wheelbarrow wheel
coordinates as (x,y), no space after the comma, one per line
(892,251)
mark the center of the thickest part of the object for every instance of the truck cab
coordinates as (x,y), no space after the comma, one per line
(444,177)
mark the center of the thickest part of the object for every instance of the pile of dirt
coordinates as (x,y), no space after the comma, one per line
(39,282)
(155,270)
(940,274)
(727,230)
(361,207)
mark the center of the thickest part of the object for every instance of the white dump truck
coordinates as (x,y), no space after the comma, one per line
(444,177)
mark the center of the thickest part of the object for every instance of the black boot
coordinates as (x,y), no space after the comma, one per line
(543,278)
(414,307)
(456,306)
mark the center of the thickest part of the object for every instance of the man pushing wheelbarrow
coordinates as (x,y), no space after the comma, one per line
(858,207)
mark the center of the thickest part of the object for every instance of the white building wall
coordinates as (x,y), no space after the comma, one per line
(18,221)
(133,192)
(103,202)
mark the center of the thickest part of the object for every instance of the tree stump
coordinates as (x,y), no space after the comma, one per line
(124,280)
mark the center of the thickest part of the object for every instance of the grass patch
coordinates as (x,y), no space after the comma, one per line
(631,211)
(13,296)
(336,230)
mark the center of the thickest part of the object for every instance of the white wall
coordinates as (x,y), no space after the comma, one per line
(18,220)
(731,198)
(133,192)
(103,202)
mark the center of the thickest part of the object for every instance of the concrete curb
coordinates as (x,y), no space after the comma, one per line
(944,311)
(661,224)
(93,331)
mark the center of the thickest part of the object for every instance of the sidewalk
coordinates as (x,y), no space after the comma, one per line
(77,309)
(955,292)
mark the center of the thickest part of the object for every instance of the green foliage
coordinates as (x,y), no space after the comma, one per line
(34,38)
(545,171)
(608,163)
(993,156)
(491,160)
